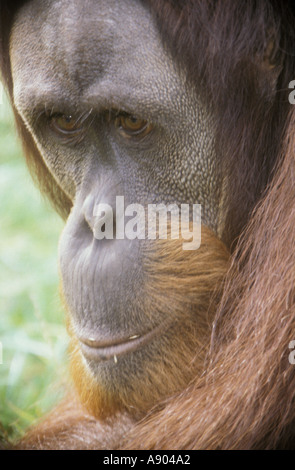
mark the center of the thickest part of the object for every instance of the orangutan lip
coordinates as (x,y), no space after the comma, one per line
(103,350)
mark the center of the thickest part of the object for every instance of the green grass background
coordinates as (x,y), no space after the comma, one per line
(32,331)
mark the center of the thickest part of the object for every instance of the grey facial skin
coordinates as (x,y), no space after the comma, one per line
(96,60)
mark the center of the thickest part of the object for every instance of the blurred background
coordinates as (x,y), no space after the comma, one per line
(32,331)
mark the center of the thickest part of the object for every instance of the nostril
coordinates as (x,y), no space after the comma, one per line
(103,228)
(104,222)
(100,217)
(87,209)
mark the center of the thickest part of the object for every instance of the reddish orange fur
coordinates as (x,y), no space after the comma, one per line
(97,412)
(245,396)
(70,427)
(171,272)
(245,399)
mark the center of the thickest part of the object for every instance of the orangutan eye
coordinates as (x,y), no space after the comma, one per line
(130,126)
(63,124)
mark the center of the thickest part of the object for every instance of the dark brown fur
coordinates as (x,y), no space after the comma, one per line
(242,54)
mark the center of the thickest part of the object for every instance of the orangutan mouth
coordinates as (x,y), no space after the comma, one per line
(103,350)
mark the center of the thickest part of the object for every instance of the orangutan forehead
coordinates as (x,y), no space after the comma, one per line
(107,54)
